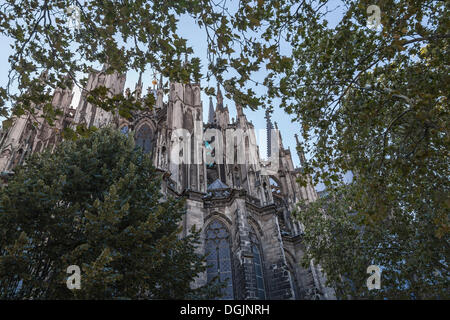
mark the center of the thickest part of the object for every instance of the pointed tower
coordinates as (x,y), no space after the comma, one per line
(222,114)
(241,119)
(160,93)
(239,111)
(138,88)
(219,98)
(280,139)
(211,112)
(269,128)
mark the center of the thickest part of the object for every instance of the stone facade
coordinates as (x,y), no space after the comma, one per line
(245,213)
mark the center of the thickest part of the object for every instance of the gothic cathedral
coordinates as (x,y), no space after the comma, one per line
(244,212)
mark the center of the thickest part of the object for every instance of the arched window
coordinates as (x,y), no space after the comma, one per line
(258,267)
(144,138)
(188,95)
(219,256)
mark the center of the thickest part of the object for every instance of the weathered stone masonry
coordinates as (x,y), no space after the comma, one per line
(245,215)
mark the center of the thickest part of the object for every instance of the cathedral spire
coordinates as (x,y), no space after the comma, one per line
(211,111)
(280,139)
(269,128)
(138,89)
(300,152)
(222,116)
(219,97)
(239,111)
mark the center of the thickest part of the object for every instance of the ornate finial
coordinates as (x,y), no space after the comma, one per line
(276,125)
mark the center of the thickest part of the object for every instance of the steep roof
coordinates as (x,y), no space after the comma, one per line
(217,184)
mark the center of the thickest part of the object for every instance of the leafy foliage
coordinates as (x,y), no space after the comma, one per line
(345,240)
(374,102)
(95,203)
(123,35)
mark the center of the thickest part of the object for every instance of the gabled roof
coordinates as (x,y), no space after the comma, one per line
(217,184)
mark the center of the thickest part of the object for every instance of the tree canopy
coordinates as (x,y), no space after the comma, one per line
(95,203)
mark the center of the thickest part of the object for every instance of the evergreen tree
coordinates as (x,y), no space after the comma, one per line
(96,203)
